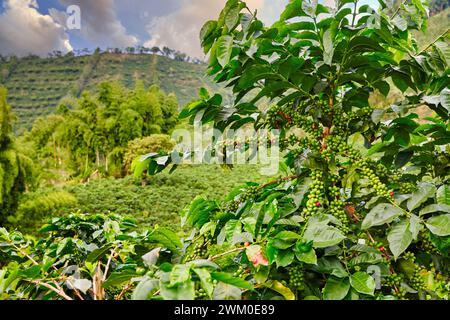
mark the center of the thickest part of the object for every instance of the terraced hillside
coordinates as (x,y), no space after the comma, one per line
(36,85)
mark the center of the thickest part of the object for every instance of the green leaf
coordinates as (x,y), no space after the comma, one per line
(336,289)
(151,257)
(224,49)
(399,238)
(415,226)
(281,289)
(225,291)
(323,235)
(293,9)
(166,237)
(363,283)
(180,274)
(205,280)
(229,279)
(232,17)
(422,194)
(357,142)
(208,28)
(367,258)
(118,278)
(4,234)
(445,99)
(287,236)
(381,214)
(185,291)
(203,263)
(403,158)
(284,258)
(443,195)
(145,289)
(64,244)
(309,257)
(98,254)
(330,265)
(439,225)
(435,208)
(400,23)
(328,49)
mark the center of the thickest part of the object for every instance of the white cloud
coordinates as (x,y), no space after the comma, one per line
(180,29)
(24,30)
(100,25)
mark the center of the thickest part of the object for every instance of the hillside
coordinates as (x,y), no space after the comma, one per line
(36,85)
(437,25)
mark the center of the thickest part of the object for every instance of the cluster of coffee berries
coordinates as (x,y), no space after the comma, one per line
(316,193)
(240,272)
(200,250)
(297,152)
(376,244)
(394,280)
(399,293)
(250,194)
(365,112)
(416,280)
(314,144)
(406,187)
(200,294)
(292,140)
(336,143)
(426,244)
(375,182)
(301,121)
(337,209)
(277,116)
(296,277)
(232,206)
(354,157)
(325,107)
(409,256)
(381,170)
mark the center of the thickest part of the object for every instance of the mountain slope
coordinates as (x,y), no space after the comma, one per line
(36,85)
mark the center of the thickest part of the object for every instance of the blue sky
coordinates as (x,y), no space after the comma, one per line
(38,26)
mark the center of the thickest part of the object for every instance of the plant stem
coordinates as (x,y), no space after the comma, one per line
(277,181)
(58,291)
(434,41)
(226,253)
(124,290)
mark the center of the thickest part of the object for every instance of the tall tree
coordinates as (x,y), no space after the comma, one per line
(15,167)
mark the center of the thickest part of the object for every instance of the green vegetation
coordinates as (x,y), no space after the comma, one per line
(16,167)
(94,133)
(364,195)
(156,201)
(360,212)
(37,85)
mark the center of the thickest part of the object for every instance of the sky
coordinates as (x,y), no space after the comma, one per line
(40,26)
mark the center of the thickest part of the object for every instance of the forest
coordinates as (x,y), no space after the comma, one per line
(93,205)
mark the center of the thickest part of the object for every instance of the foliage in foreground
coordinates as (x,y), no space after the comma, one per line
(365,211)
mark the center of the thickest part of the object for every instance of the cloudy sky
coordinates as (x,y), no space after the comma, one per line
(39,26)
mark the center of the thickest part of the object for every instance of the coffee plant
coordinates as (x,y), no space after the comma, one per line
(86,257)
(364,212)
